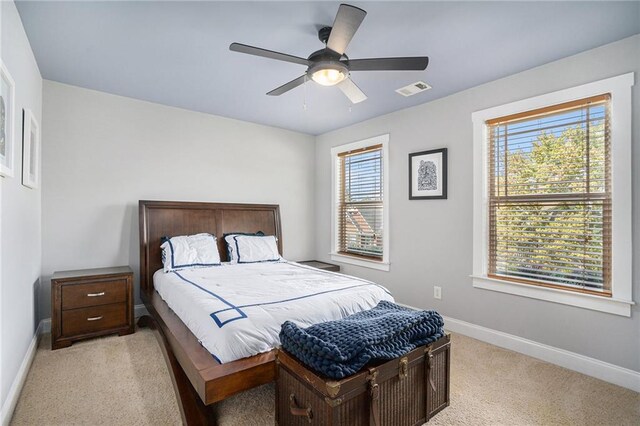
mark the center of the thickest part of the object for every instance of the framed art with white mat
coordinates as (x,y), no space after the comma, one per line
(428,175)
(30,149)
(7,119)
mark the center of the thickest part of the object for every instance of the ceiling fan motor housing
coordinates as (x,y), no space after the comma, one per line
(327,59)
(325,54)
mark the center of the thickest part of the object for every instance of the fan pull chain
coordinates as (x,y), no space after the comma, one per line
(304,95)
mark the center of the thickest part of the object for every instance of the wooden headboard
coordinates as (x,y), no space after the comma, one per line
(158,219)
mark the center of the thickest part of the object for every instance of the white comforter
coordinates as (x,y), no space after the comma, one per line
(236,310)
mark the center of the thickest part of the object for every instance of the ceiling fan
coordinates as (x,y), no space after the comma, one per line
(331,66)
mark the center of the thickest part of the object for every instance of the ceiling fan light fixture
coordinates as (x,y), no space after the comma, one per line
(328,73)
(328,76)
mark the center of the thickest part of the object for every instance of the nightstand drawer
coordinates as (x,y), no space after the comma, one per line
(96,318)
(94,293)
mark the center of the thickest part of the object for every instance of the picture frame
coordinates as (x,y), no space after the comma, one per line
(428,175)
(30,150)
(7,120)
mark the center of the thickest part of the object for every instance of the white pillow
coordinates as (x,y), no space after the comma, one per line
(253,248)
(190,251)
(232,257)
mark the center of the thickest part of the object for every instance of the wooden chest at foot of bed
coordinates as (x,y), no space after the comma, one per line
(405,391)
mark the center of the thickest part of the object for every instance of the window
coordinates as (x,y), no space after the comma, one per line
(360,202)
(360,212)
(552,197)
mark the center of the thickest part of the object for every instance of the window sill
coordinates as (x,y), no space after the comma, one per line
(373,264)
(581,300)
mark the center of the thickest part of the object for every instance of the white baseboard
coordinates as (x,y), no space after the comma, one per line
(611,373)
(16,387)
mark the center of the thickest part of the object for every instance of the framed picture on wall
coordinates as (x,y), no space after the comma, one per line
(7,111)
(428,175)
(30,149)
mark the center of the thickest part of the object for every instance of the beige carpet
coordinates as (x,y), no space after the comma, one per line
(124,381)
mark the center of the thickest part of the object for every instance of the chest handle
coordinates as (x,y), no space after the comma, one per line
(299,411)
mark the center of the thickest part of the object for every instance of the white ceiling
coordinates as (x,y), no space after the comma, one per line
(176,53)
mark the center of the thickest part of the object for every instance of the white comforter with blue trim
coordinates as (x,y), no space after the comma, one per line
(237,310)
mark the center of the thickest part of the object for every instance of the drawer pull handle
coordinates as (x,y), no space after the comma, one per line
(95,294)
(299,411)
(94,318)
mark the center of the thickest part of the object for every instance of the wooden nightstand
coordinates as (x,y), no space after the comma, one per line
(89,303)
(321,265)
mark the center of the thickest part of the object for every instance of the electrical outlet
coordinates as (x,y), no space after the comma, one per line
(437,292)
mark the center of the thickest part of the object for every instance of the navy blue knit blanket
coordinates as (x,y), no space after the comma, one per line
(340,348)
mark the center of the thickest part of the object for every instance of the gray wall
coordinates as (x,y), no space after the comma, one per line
(431,240)
(19,209)
(106,152)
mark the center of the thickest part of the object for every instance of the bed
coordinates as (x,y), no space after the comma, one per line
(204,369)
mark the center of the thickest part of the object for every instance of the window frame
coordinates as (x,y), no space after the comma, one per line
(383,264)
(620,301)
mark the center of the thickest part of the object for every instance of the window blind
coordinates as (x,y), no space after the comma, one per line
(360,202)
(550,196)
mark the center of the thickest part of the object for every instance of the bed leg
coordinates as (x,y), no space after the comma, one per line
(192,409)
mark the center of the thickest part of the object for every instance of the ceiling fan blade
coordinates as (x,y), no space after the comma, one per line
(416,63)
(346,24)
(288,86)
(257,51)
(352,91)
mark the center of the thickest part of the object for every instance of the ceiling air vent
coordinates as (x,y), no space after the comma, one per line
(412,89)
